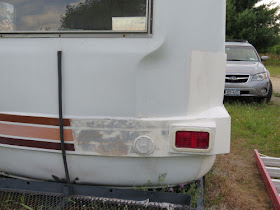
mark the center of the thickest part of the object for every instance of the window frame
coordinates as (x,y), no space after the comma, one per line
(88,33)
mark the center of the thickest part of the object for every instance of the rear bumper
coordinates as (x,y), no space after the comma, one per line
(111,171)
(121,152)
(152,137)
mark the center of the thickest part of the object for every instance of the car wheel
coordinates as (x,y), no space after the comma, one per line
(268,97)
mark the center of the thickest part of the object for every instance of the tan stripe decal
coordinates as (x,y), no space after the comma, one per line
(35,144)
(34,132)
(33,120)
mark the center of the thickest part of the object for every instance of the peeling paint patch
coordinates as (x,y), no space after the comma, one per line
(102,124)
(86,136)
(111,137)
(86,147)
(113,148)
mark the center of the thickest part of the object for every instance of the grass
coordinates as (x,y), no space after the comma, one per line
(258,125)
(273,64)
(274,70)
(234,182)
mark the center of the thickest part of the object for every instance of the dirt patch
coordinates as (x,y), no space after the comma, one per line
(276,84)
(275,100)
(235,183)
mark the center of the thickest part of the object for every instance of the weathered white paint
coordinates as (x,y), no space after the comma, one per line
(116,171)
(273,172)
(121,77)
(117,89)
(276,183)
(271,161)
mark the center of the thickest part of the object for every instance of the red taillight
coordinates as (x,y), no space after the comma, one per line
(192,140)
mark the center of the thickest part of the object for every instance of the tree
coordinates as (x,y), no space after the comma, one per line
(97,14)
(259,25)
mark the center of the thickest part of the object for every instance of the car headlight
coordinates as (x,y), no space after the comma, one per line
(259,77)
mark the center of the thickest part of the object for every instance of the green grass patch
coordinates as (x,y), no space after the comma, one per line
(256,126)
(274,70)
(276,94)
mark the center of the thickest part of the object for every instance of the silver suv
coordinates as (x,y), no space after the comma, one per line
(245,73)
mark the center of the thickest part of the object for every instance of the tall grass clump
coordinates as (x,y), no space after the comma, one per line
(257,125)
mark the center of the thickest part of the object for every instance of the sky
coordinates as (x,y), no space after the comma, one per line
(268,1)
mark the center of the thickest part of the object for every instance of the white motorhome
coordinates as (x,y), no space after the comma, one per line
(112,92)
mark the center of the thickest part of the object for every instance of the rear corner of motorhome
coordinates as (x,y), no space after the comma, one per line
(126,96)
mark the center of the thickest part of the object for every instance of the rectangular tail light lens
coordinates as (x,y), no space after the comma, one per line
(192,140)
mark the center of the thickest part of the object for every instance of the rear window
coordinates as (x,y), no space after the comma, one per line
(25,16)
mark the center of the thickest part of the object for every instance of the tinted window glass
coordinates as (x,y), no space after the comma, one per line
(73,15)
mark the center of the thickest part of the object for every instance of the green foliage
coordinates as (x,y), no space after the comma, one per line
(259,25)
(244,4)
(275,49)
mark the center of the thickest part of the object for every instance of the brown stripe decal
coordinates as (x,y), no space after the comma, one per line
(34,132)
(35,144)
(33,120)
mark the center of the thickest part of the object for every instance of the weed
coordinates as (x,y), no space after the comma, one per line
(194,192)
(190,189)
(7,203)
(161,179)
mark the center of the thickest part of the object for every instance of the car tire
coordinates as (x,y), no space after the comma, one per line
(269,95)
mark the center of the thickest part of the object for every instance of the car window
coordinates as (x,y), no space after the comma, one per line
(241,53)
(73,16)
